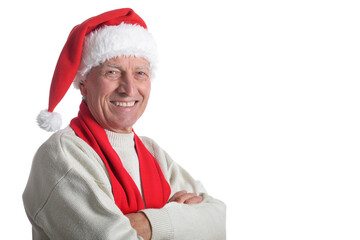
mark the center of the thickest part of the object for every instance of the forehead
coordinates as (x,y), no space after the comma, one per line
(126,62)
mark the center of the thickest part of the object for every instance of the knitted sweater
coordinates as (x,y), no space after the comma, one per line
(69,196)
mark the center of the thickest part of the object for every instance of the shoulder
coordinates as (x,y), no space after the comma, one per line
(54,148)
(64,147)
(60,141)
(54,154)
(149,143)
(153,147)
(63,151)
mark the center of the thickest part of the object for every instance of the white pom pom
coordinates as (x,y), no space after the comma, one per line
(49,121)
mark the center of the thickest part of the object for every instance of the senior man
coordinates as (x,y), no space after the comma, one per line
(96,179)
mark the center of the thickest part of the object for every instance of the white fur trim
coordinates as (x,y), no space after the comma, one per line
(113,41)
(49,121)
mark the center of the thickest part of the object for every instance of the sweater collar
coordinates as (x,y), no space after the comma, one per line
(122,140)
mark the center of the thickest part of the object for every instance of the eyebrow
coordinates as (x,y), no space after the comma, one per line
(142,67)
(114,65)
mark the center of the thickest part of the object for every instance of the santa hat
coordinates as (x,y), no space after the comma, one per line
(115,33)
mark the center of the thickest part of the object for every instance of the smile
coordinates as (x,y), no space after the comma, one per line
(124,104)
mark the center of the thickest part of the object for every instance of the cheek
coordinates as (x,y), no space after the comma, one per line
(145,91)
(101,90)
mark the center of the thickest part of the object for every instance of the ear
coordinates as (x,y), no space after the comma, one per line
(83,89)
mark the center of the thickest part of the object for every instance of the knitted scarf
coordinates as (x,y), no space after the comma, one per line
(156,189)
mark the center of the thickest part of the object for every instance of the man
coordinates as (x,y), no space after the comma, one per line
(96,179)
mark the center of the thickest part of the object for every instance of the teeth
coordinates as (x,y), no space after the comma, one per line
(124,104)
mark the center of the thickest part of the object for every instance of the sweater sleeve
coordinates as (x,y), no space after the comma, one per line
(205,220)
(68,195)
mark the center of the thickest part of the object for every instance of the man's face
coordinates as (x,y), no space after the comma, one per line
(117,92)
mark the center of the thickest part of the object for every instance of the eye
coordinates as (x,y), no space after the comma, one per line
(113,74)
(142,75)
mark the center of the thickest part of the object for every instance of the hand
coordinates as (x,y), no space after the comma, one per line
(141,224)
(186,198)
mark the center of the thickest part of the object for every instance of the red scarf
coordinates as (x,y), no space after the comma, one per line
(156,190)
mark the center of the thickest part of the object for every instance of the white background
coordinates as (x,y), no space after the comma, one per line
(257,99)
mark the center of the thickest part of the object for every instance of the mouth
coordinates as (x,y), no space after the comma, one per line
(124,104)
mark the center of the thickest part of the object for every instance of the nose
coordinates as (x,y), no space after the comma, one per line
(127,85)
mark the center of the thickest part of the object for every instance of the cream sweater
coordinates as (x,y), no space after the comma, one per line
(68,194)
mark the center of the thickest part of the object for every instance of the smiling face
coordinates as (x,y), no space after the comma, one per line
(117,92)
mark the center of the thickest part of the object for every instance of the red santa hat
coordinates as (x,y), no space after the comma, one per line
(115,33)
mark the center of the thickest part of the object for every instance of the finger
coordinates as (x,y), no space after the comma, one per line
(184,197)
(177,195)
(194,200)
